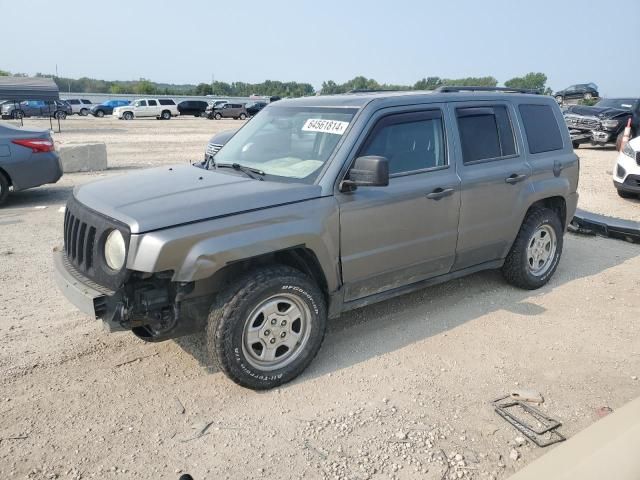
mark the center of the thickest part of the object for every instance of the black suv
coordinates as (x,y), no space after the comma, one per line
(192,107)
(585,91)
(254,107)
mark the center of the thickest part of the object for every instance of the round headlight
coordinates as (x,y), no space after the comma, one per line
(115,250)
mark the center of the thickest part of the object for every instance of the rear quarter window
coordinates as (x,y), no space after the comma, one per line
(166,101)
(541,128)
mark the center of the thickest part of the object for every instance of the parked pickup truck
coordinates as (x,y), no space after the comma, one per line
(603,123)
(161,108)
(317,206)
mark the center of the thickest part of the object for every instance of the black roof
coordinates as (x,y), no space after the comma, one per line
(27,88)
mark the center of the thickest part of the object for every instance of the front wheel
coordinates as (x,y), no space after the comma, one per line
(243,116)
(535,254)
(266,327)
(217,116)
(127,116)
(99,114)
(84,112)
(60,115)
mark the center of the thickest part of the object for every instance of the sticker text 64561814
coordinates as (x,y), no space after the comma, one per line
(325,126)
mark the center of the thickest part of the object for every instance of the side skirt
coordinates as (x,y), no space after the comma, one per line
(338,307)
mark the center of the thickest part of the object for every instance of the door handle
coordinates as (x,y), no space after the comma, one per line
(515,178)
(439,192)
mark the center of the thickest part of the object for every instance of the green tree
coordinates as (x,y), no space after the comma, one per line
(145,87)
(116,89)
(531,81)
(428,83)
(4,73)
(203,89)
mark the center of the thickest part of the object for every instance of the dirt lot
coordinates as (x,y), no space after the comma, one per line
(395,386)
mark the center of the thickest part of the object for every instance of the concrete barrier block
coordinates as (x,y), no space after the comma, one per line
(83,157)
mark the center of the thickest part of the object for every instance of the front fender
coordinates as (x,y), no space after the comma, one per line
(197,251)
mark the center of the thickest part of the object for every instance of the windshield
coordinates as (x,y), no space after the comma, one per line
(288,143)
(621,103)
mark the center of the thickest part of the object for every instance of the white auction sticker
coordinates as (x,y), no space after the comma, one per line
(325,126)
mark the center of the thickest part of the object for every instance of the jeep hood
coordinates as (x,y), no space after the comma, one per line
(167,196)
(602,113)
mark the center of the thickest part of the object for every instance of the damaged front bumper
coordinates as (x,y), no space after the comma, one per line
(593,136)
(153,308)
(89,297)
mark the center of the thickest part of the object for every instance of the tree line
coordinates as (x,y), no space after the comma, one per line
(143,86)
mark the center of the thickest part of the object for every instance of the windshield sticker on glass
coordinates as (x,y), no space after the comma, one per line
(325,126)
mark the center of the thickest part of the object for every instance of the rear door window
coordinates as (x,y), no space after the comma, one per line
(485,133)
(153,103)
(86,102)
(541,127)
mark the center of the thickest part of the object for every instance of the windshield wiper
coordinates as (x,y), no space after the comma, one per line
(248,171)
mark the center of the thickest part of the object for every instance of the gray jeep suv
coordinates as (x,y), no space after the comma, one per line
(317,206)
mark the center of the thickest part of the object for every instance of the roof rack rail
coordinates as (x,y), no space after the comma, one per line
(449,89)
(373,90)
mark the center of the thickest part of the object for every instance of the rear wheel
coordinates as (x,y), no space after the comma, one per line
(60,115)
(4,188)
(217,116)
(84,112)
(535,254)
(266,327)
(165,115)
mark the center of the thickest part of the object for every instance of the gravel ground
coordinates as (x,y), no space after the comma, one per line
(400,389)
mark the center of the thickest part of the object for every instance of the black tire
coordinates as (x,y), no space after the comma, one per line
(197,114)
(84,112)
(226,324)
(165,115)
(4,188)
(127,115)
(17,114)
(242,116)
(624,194)
(575,144)
(60,115)
(217,116)
(99,113)
(516,269)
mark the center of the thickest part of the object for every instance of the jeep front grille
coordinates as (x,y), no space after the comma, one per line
(213,148)
(84,234)
(79,241)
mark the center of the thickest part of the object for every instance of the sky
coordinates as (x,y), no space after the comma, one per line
(399,42)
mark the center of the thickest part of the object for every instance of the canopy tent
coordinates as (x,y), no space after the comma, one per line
(26,88)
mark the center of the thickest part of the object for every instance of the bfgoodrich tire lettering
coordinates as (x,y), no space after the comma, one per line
(516,269)
(228,318)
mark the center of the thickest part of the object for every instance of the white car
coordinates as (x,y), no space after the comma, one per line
(626,174)
(163,108)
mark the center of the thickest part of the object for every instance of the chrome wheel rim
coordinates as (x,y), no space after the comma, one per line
(276,332)
(541,250)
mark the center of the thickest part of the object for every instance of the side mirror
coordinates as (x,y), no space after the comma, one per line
(368,171)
